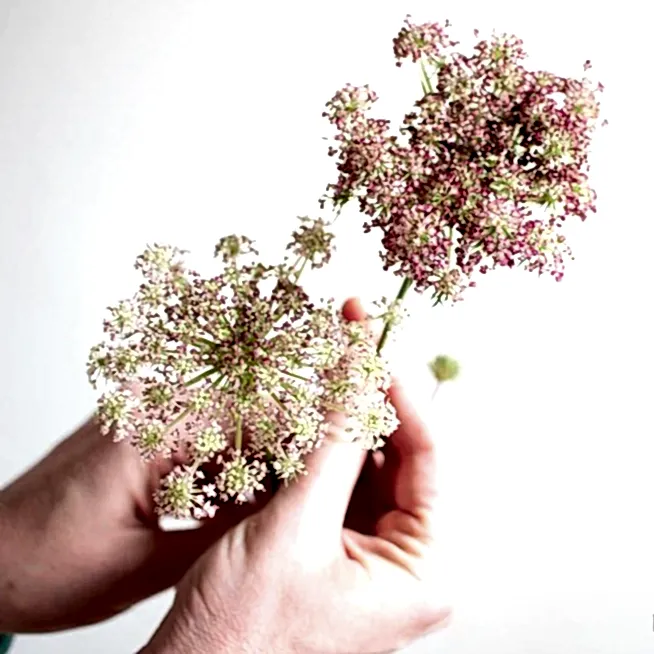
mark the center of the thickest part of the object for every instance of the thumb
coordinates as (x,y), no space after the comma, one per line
(316,503)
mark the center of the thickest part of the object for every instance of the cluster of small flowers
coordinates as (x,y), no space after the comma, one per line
(312,242)
(391,312)
(233,373)
(484,170)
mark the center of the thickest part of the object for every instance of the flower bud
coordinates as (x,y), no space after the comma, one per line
(444,368)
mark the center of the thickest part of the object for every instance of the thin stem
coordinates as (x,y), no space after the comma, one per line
(337,213)
(426,80)
(206,341)
(334,407)
(279,403)
(200,377)
(433,395)
(238,438)
(179,418)
(406,284)
(226,323)
(298,274)
(217,381)
(292,374)
(289,388)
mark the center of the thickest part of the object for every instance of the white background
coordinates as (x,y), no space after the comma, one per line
(179,121)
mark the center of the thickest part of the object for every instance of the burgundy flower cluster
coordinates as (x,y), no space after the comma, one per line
(484,169)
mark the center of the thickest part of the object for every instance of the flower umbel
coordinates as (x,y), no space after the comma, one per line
(484,169)
(236,369)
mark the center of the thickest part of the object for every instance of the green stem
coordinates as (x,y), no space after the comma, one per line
(292,374)
(426,81)
(406,284)
(289,388)
(337,213)
(279,403)
(206,341)
(227,324)
(334,407)
(179,418)
(200,377)
(217,381)
(298,274)
(238,438)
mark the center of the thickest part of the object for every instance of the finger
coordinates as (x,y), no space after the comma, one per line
(172,553)
(352,310)
(411,453)
(317,502)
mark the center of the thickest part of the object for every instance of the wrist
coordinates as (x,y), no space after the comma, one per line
(180,633)
(11,616)
(175,636)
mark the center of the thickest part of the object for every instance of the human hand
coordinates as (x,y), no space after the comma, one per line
(80,540)
(341,560)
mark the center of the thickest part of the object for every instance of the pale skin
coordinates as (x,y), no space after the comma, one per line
(341,561)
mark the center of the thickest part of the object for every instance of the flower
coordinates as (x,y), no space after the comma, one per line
(312,242)
(209,441)
(115,408)
(289,466)
(179,495)
(150,439)
(236,369)
(240,478)
(483,171)
(444,368)
(417,41)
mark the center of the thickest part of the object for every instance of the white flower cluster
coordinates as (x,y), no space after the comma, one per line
(234,373)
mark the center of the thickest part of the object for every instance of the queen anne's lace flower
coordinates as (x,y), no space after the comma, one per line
(180,494)
(234,371)
(240,478)
(312,242)
(485,167)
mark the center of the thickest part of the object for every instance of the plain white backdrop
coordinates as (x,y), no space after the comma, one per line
(123,123)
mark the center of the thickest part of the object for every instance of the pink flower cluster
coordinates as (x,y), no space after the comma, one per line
(234,371)
(483,171)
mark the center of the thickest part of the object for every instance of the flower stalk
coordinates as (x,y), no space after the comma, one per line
(388,324)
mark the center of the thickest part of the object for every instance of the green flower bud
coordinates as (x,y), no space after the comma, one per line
(444,368)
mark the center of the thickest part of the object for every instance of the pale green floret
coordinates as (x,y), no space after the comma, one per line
(158,395)
(151,439)
(209,442)
(289,466)
(123,316)
(178,495)
(444,368)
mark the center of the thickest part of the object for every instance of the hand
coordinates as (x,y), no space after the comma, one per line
(79,537)
(329,565)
